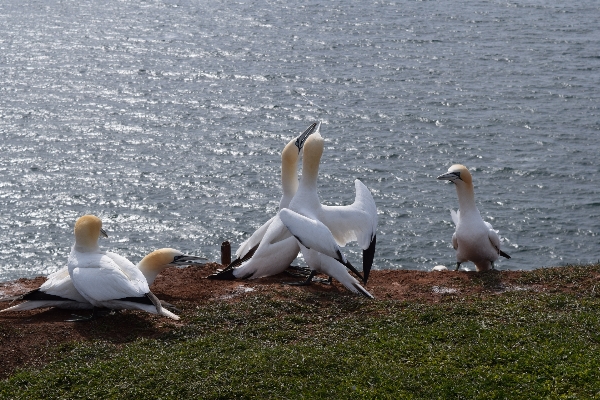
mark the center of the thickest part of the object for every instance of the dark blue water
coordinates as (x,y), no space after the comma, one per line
(166,119)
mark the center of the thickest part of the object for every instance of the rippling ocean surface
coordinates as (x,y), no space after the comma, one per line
(167,119)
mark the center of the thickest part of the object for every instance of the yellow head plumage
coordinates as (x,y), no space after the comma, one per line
(462,172)
(87,231)
(313,150)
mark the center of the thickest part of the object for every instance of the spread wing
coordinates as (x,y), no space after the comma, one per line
(311,233)
(356,222)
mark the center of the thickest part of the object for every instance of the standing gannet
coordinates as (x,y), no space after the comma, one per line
(474,239)
(271,248)
(58,290)
(106,279)
(321,230)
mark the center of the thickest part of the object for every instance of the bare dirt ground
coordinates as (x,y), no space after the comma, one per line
(26,337)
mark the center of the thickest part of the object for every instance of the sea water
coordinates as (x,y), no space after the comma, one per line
(167,119)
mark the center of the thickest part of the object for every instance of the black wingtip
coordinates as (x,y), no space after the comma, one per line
(225,275)
(354,270)
(239,261)
(347,264)
(368,257)
(37,294)
(503,254)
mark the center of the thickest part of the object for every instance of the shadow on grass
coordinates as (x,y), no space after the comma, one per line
(489,280)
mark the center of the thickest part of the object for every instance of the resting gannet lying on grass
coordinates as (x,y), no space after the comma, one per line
(474,239)
(321,230)
(58,291)
(271,248)
(105,279)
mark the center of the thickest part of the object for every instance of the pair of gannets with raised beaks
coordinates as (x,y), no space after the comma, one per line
(317,230)
(321,229)
(474,239)
(103,279)
(271,248)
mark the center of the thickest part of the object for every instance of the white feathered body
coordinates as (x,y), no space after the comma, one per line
(474,239)
(102,276)
(276,251)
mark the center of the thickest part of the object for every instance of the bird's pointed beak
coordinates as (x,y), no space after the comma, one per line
(314,127)
(103,233)
(449,176)
(188,260)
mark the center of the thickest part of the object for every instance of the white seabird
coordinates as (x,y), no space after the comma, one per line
(474,239)
(321,230)
(105,279)
(58,290)
(271,248)
(289,184)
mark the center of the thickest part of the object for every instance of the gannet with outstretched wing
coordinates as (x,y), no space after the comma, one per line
(474,239)
(321,230)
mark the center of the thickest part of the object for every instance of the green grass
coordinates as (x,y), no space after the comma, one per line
(515,345)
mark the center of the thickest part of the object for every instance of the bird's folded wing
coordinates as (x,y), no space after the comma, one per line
(454,241)
(311,233)
(494,238)
(107,281)
(253,240)
(60,284)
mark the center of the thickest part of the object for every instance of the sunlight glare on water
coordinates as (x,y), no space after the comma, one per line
(167,119)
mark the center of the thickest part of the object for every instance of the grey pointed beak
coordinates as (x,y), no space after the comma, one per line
(188,260)
(449,176)
(103,233)
(314,127)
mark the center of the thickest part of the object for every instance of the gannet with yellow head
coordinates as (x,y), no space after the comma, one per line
(105,279)
(271,248)
(58,290)
(474,239)
(321,230)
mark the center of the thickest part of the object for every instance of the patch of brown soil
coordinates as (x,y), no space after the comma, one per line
(26,337)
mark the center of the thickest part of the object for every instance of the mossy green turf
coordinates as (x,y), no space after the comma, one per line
(513,345)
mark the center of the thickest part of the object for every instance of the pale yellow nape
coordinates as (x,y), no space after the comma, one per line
(313,150)
(159,259)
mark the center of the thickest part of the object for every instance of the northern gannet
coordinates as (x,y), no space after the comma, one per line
(105,279)
(58,290)
(289,184)
(474,239)
(321,230)
(271,248)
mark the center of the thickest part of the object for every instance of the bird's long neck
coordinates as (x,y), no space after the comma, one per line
(150,274)
(466,198)
(150,269)
(86,243)
(289,169)
(310,164)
